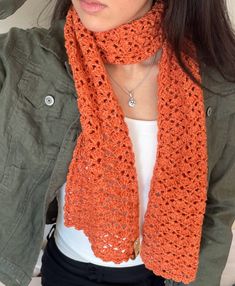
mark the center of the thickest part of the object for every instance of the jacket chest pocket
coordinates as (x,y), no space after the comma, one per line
(43,112)
(40,117)
(45,97)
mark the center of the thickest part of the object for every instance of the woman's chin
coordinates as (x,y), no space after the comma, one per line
(95,25)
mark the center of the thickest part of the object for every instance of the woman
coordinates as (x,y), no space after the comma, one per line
(131,127)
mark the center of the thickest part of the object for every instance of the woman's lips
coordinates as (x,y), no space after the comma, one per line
(91,6)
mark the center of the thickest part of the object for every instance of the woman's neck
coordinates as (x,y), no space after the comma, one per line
(131,68)
(129,77)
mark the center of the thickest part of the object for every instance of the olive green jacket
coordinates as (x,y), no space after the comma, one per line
(39,125)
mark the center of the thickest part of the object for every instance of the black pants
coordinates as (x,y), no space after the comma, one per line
(60,270)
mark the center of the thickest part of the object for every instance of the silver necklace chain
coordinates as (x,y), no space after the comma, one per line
(130,93)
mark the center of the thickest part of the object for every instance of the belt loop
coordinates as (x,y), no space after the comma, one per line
(49,235)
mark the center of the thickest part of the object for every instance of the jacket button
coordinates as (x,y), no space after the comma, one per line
(209,111)
(49,100)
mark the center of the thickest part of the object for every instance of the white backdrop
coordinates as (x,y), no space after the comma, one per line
(26,17)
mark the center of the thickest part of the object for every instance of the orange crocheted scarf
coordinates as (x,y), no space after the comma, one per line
(102,191)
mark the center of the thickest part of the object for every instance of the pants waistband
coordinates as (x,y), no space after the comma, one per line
(97,272)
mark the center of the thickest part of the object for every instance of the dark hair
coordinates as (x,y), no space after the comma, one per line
(60,10)
(206,22)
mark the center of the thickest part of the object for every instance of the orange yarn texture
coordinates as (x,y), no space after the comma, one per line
(102,191)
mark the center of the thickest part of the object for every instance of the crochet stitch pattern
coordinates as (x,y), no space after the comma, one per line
(102,191)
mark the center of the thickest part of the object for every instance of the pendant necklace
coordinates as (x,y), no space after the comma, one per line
(130,93)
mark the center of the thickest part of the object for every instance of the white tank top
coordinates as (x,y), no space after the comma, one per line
(74,243)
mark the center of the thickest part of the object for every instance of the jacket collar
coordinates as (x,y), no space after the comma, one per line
(53,41)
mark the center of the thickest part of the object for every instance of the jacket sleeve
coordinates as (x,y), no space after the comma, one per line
(220,215)
(9,7)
